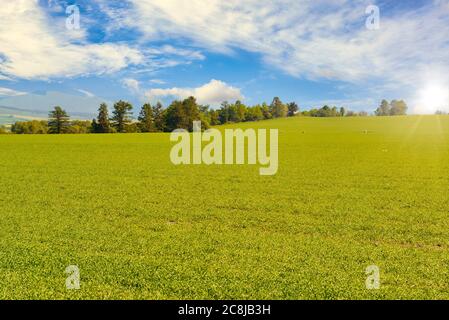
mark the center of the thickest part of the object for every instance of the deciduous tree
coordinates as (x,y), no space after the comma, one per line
(384,109)
(278,109)
(292,109)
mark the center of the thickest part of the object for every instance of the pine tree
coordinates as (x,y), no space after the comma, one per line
(121,115)
(103,125)
(146,119)
(58,121)
(94,127)
(158,116)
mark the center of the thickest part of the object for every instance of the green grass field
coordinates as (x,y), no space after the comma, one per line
(350,192)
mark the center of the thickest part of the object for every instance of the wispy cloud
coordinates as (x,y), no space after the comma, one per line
(86,93)
(33,48)
(157,81)
(132,85)
(313,40)
(6,92)
(2,77)
(310,39)
(35,45)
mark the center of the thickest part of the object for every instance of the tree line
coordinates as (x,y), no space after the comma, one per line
(393,108)
(180,114)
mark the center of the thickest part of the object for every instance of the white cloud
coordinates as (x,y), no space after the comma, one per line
(2,77)
(132,85)
(86,93)
(309,39)
(303,38)
(35,45)
(212,93)
(34,48)
(5,92)
(157,81)
(170,50)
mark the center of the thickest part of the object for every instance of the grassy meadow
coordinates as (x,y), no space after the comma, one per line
(350,193)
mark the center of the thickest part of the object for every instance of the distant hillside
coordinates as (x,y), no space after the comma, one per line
(10,115)
(37,104)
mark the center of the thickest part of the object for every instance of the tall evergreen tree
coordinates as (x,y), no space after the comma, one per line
(102,124)
(146,119)
(94,127)
(121,115)
(158,116)
(58,121)
(224,113)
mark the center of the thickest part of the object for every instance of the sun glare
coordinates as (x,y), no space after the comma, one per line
(434,98)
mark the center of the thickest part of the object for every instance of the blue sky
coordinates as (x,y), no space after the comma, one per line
(312,52)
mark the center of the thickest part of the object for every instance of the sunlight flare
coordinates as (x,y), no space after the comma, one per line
(434,98)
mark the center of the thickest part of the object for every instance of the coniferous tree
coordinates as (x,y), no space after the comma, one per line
(102,124)
(121,115)
(146,119)
(224,113)
(58,121)
(158,116)
(94,127)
